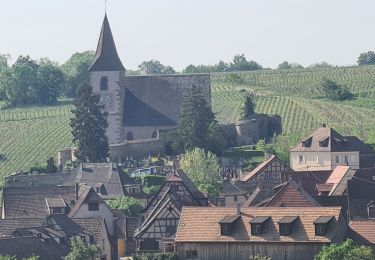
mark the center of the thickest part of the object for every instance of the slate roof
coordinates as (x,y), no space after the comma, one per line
(106,57)
(326,139)
(291,195)
(230,188)
(24,247)
(92,174)
(96,225)
(30,201)
(362,232)
(7,226)
(309,179)
(201,224)
(24,179)
(360,193)
(156,100)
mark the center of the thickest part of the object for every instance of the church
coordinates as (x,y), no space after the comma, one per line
(141,109)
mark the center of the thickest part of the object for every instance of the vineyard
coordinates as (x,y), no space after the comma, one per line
(30,136)
(296,96)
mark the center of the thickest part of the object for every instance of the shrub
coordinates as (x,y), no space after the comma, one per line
(156,256)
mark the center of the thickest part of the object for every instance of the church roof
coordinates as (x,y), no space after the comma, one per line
(106,57)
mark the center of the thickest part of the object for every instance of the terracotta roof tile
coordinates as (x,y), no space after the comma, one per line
(362,232)
(201,224)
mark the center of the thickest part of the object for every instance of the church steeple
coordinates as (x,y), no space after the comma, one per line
(106,57)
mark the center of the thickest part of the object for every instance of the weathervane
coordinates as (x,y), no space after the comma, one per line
(105,6)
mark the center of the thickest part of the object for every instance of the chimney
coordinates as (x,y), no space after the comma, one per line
(76,191)
(238,209)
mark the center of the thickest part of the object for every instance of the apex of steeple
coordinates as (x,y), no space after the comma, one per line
(106,57)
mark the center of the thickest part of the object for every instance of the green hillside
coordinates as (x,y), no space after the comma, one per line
(29,136)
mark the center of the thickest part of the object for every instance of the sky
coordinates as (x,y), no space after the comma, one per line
(183,32)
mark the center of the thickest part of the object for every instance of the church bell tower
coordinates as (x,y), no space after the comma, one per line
(107,75)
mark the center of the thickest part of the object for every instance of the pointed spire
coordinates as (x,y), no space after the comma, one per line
(106,57)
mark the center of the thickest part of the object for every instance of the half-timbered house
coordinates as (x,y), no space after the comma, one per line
(162,213)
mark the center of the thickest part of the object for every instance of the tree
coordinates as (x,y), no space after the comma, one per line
(76,71)
(240,63)
(89,126)
(284,66)
(50,82)
(8,257)
(203,169)
(20,82)
(248,108)
(366,58)
(128,205)
(155,67)
(51,167)
(345,251)
(320,65)
(334,91)
(194,120)
(82,251)
(3,67)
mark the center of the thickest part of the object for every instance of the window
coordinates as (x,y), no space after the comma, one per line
(170,230)
(93,206)
(301,159)
(346,159)
(256,229)
(235,197)
(226,229)
(320,229)
(191,254)
(57,210)
(129,136)
(154,134)
(337,159)
(104,83)
(284,229)
(371,211)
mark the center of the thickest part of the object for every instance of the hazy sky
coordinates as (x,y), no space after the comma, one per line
(182,32)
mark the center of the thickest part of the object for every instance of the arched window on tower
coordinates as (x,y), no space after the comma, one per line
(129,136)
(155,134)
(104,83)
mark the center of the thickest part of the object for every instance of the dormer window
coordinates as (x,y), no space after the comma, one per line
(258,224)
(129,136)
(371,210)
(104,83)
(227,224)
(307,143)
(286,225)
(56,206)
(93,206)
(324,142)
(322,225)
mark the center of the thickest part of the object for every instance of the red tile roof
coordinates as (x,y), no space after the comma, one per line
(291,195)
(201,224)
(363,232)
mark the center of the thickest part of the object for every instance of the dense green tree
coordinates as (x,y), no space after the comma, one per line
(50,82)
(248,108)
(347,250)
(284,66)
(82,251)
(334,91)
(366,58)
(203,169)
(155,67)
(89,125)
(320,65)
(76,71)
(51,166)
(194,120)
(128,205)
(20,82)
(3,67)
(8,257)
(240,63)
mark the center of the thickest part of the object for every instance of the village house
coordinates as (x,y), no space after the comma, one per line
(160,218)
(238,233)
(255,186)
(107,179)
(325,149)
(57,230)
